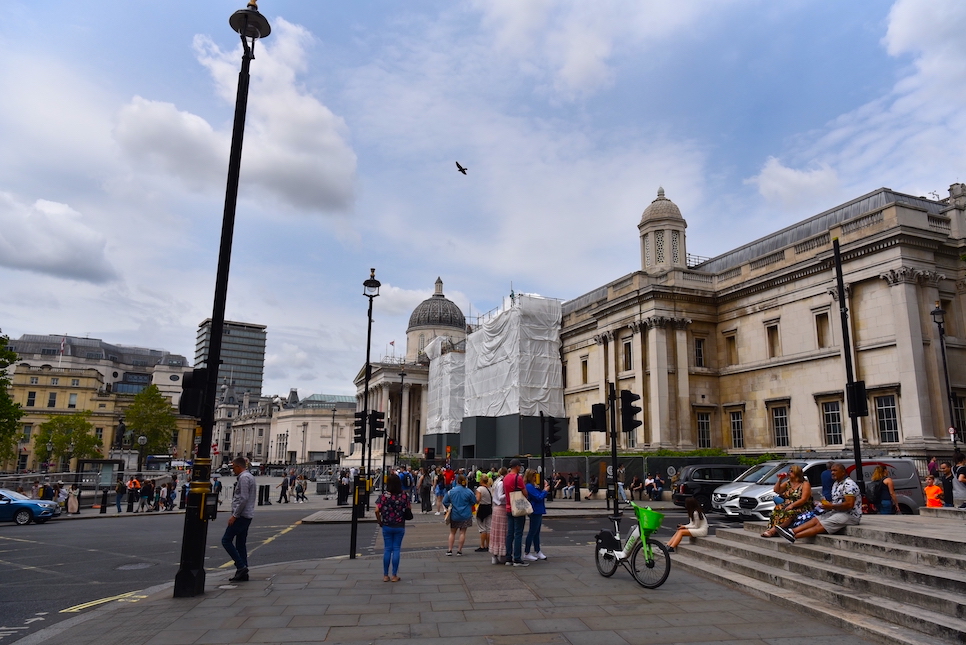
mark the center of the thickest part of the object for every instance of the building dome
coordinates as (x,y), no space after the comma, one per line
(661,208)
(437,311)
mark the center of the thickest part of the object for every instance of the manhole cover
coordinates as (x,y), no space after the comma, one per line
(134,565)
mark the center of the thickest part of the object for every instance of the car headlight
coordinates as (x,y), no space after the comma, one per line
(767,497)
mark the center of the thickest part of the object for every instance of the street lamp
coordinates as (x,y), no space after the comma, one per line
(370,289)
(250,25)
(332,429)
(50,450)
(939,317)
(142,441)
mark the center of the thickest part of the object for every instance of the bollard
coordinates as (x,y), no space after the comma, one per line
(104,502)
(268,494)
(184,496)
(577,488)
(130,500)
(261,496)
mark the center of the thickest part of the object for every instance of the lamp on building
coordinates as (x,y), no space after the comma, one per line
(939,317)
(250,25)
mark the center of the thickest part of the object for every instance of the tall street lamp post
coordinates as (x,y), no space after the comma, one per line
(332,429)
(250,25)
(370,289)
(939,317)
(50,452)
(142,441)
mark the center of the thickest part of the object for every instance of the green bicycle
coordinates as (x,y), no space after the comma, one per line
(646,558)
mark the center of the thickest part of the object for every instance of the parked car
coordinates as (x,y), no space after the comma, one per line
(756,502)
(700,481)
(732,491)
(23,510)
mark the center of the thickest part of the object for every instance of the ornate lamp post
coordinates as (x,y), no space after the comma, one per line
(939,317)
(332,428)
(142,441)
(190,579)
(50,451)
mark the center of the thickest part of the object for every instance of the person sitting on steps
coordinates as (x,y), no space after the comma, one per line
(697,527)
(845,509)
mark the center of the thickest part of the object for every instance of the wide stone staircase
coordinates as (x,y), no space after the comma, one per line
(894,579)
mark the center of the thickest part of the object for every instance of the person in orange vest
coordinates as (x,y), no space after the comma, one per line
(133,489)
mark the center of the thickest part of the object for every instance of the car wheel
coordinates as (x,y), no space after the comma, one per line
(22,517)
(705,503)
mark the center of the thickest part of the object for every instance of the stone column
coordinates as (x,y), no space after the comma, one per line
(637,347)
(914,411)
(404,437)
(929,281)
(657,409)
(685,435)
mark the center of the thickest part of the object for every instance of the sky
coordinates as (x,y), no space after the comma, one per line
(116,120)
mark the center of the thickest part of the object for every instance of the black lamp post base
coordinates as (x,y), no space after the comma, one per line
(189,583)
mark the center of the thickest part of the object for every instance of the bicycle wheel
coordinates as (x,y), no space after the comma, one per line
(606,562)
(651,572)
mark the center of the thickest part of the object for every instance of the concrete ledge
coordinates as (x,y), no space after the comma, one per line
(944,512)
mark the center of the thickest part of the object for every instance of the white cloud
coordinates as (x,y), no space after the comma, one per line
(51,238)
(295,148)
(796,191)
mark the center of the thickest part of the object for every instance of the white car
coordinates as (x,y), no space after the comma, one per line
(730,492)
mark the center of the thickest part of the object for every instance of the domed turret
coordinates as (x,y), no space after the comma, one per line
(662,236)
(435,316)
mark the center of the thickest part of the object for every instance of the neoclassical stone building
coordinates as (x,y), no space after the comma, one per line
(744,351)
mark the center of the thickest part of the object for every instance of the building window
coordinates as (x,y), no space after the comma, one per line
(72,401)
(258,449)
(584,372)
(631,439)
(737,430)
(34,380)
(659,246)
(779,421)
(699,352)
(628,356)
(731,347)
(823,332)
(887,419)
(261,432)
(959,417)
(774,344)
(75,382)
(31,399)
(27,430)
(54,381)
(585,439)
(99,433)
(704,429)
(563,375)
(48,352)
(832,422)
(52,400)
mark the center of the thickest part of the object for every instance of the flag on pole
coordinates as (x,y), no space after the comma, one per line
(63,344)
(393,343)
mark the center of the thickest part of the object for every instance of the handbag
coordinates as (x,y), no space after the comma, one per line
(408,513)
(446,517)
(519,504)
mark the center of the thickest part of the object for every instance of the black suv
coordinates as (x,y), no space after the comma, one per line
(701,480)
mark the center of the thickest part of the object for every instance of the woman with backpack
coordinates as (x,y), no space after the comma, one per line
(882,492)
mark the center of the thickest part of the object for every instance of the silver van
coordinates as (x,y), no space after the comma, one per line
(755,502)
(729,492)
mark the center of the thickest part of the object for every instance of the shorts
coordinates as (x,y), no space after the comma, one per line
(484,524)
(835,522)
(461,524)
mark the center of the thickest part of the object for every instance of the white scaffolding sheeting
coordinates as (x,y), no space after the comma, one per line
(446,378)
(513,361)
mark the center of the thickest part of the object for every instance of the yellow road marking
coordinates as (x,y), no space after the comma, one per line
(131,596)
(230,563)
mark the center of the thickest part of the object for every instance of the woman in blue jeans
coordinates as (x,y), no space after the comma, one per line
(536,497)
(391,510)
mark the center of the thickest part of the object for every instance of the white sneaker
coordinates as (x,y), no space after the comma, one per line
(530,557)
(541,556)
(437,512)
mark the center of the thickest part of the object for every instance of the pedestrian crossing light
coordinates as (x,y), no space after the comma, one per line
(377,424)
(392,446)
(553,430)
(629,411)
(360,427)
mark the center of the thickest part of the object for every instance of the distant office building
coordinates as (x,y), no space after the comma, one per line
(242,355)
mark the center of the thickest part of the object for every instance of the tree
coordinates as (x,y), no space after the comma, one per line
(70,435)
(10,412)
(152,416)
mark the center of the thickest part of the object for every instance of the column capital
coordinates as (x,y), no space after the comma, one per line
(961,286)
(834,291)
(930,278)
(654,322)
(681,323)
(637,326)
(900,275)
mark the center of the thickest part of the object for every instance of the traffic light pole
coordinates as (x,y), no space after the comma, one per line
(612,400)
(543,448)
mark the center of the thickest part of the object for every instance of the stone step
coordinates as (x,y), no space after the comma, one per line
(859,608)
(825,611)
(905,565)
(915,585)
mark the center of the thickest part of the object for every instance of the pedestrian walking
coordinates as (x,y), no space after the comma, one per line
(498,520)
(459,502)
(439,490)
(425,491)
(513,483)
(242,512)
(392,510)
(484,511)
(73,500)
(119,491)
(284,490)
(537,496)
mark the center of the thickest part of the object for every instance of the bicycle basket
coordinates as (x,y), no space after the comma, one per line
(649,520)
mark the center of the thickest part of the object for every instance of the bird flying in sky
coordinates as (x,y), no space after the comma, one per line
(460,168)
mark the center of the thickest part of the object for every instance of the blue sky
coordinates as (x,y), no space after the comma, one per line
(116,118)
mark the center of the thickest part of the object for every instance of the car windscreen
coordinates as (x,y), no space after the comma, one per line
(755,473)
(773,476)
(12,494)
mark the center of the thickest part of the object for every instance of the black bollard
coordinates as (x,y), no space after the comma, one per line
(184,496)
(577,488)
(104,502)
(268,494)
(261,496)
(130,500)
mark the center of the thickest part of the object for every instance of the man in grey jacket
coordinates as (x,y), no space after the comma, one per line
(242,512)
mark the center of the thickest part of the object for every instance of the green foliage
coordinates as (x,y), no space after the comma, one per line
(752,460)
(151,415)
(663,452)
(10,412)
(70,435)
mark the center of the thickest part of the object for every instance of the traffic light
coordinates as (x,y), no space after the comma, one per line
(629,411)
(392,445)
(377,424)
(598,415)
(553,430)
(585,423)
(193,392)
(360,427)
